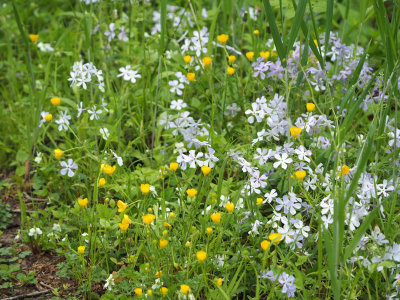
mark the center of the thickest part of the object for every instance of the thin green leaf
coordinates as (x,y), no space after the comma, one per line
(358,234)
(362,162)
(212,30)
(329,16)
(280,48)
(163,26)
(298,17)
(331,264)
(360,65)
(303,60)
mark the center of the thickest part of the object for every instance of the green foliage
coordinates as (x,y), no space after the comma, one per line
(5,216)
(355,111)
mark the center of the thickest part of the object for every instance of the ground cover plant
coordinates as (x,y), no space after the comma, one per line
(202,149)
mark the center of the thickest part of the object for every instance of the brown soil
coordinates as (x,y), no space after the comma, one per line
(43,263)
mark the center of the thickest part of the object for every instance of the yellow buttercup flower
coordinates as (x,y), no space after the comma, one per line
(191,193)
(102,182)
(230,71)
(138,292)
(206,61)
(187,58)
(121,206)
(187,244)
(310,107)
(265,244)
(109,170)
(191,76)
(123,226)
(83,202)
(58,153)
(81,249)
(222,38)
(275,237)
(145,188)
(230,207)
(148,219)
(163,244)
(209,230)
(250,55)
(172,215)
(164,290)
(344,170)
(149,292)
(206,170)
(231,59)
(158,274)
(55,101)
(126,219)
(300,174)
(259,201)
(295,131)
(256,32)
(216,217)
(173,166)
(48,117)
(219,281)
(167,225)
(184,289)
(265,54)
(33,37)
(201,256)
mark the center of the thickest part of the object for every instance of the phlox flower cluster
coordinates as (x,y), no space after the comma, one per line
(84,74)
(284,279)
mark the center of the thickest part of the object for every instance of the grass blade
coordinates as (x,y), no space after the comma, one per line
(303,61)
(329,16)
(313,47)
(280,48)
(358,235)
(360,65)
(298,17)
(362,162)
(386,34)
(331,265)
